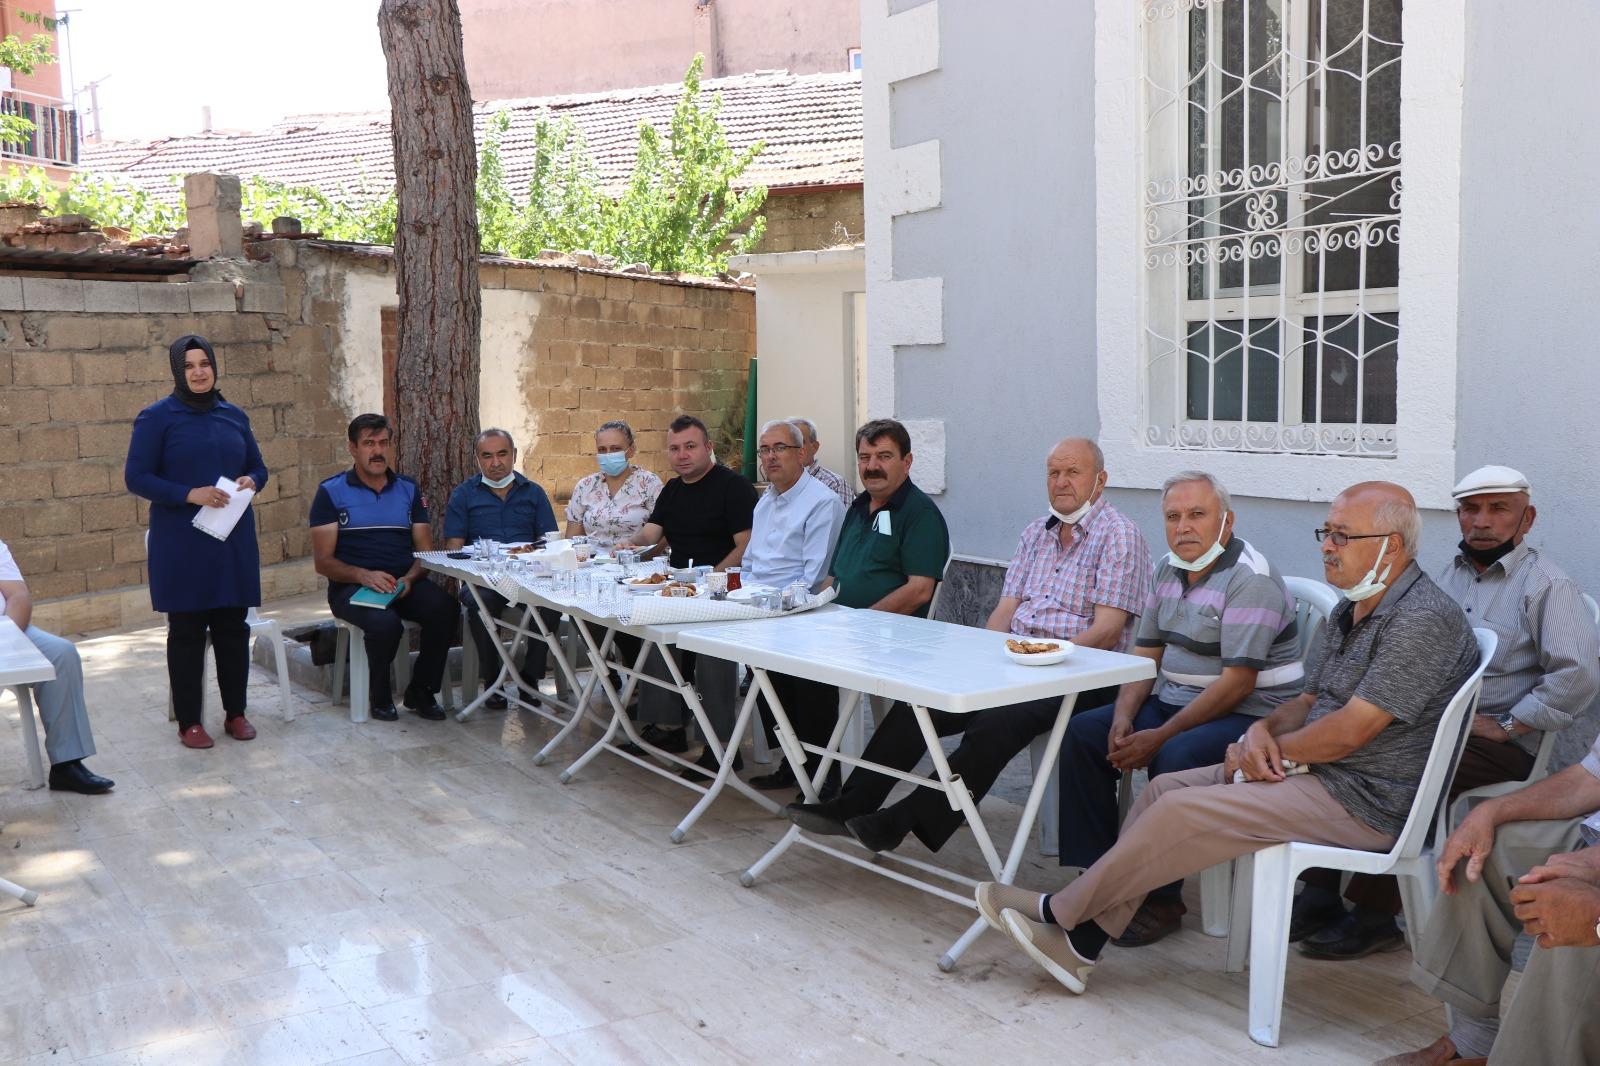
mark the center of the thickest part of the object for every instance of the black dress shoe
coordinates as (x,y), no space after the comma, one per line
(782,777)
(675,741)
(1308,918)
(424,705)
(708,763)
(75,777)
(825,819)
(385,713)
(879,831)
(1355,936)
(496,702)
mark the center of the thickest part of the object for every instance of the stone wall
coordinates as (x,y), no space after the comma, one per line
(78,360)
(300,339)
(805,221)
(637,348)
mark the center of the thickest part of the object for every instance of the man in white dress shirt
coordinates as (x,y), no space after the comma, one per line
(792,532)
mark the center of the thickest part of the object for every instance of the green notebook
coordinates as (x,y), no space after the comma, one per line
(367,598)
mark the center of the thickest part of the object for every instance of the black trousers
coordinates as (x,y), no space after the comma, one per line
(813,710)
(535,652)
(186,660)
(990,740)
(429,606)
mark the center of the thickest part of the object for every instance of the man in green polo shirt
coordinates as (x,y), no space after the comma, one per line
(893,544)
(889,556)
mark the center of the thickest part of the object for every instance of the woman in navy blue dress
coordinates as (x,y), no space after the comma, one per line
(181,445)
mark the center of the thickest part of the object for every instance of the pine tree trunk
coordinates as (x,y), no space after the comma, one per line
(435,245)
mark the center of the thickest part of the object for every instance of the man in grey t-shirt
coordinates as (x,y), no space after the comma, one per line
(1221,626)
(1389,663)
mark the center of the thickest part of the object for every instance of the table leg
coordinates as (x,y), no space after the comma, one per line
(17,892)
(724,768)
(580,707)
(790,742)
(492,626)
(619,711)
(1007,873)
(30,736)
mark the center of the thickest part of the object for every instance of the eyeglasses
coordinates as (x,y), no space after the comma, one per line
(775,449)
(1341,539)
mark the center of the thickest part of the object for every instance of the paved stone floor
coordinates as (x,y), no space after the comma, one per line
(420,892)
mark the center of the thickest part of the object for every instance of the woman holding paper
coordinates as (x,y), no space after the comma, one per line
(192,451)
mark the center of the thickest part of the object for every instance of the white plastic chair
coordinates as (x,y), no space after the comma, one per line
(1275,869)
(350,644)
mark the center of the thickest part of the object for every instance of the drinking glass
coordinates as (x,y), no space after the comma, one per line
(735,578)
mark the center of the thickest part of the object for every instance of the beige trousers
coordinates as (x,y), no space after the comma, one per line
(1464,957)
(1185,822)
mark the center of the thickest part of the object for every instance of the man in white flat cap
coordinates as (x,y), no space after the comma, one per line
(1545,672)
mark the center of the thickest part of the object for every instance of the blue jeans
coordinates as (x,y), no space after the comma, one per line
(1089,782)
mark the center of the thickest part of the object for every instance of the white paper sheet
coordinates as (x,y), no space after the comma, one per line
(219,521)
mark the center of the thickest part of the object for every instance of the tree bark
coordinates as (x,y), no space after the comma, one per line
(435,245)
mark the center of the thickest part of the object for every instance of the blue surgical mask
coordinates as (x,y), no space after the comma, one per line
(502,483)
(612,463)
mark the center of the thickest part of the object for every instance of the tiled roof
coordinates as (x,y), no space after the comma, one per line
(811,124)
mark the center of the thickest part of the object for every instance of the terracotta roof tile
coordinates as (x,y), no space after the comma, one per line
(811,124)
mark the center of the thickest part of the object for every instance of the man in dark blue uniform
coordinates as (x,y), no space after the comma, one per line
(506,506)
(365,524)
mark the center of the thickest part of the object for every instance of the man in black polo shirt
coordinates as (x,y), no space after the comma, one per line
(704,514)
(889,557)
(365,524)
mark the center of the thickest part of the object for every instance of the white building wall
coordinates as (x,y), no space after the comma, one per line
(1011,105)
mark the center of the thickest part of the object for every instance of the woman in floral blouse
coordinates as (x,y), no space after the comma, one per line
(612,505)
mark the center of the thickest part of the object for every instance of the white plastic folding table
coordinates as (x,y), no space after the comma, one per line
(530,626)
(928,665)
(21,665)
(596,622)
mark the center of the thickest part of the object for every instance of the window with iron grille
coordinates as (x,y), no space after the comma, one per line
(1271,209)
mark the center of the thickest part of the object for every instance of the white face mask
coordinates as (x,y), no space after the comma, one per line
(1076,516)
(1373,583)
(502,483)
(1205,559)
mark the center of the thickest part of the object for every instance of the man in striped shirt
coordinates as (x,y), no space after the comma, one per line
(834,481)
(1545,672)
(1080,573)
(1221,627)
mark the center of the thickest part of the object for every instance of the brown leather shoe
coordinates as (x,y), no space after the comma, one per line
(1154,920)
(1438,1053)
(195,737)
(239,728)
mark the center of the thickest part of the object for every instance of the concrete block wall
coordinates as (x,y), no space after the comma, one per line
(78,360)
(806,221)
(644,349)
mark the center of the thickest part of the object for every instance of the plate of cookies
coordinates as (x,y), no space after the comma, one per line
(1037,651)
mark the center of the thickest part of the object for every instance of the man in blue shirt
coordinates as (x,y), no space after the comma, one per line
(501,505)
(365,525)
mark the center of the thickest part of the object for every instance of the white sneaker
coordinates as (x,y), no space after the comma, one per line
(993,897)
(1049,947)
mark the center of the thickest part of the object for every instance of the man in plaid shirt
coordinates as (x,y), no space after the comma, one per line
(1080,573)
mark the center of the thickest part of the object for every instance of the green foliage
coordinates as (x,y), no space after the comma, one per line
(360,214)
(679,211)
(22,57)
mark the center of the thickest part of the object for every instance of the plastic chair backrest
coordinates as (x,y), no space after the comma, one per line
(1314,603)
(1449,741)
(1594,608)
(944,575)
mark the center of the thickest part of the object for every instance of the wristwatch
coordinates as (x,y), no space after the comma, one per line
(1508,722)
